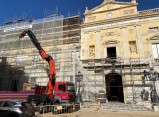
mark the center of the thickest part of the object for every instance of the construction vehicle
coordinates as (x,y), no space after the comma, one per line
(55,93)
(64,95)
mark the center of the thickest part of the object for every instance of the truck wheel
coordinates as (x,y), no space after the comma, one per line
(54,110)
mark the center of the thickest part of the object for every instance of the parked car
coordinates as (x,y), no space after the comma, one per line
(16,108)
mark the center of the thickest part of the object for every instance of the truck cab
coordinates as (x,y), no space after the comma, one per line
(63,97)
(64,92)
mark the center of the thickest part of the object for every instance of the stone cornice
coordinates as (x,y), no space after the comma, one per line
(96,31)
(137,24)
(121,19)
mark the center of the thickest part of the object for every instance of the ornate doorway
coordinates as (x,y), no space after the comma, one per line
(114,87)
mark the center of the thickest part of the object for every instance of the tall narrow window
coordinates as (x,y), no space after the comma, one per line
(155,49)
(92,51)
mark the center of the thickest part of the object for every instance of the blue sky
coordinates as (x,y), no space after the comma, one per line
(11,9)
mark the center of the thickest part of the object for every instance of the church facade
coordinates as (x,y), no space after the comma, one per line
(118,44)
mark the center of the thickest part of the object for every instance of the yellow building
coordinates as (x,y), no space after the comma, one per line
(118,43)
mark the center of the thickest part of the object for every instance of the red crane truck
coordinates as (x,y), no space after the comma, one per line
(55,93)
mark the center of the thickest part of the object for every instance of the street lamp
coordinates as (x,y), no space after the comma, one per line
(152,77)
(79,78)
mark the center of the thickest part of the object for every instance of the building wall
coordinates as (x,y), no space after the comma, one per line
(132,33)
(58,36)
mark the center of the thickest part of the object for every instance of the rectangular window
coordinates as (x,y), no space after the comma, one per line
(62,87)
(111,52)
(155,49)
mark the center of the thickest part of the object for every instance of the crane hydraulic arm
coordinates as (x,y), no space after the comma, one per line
(48,58)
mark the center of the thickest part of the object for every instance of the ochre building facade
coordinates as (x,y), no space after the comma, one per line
(118,43)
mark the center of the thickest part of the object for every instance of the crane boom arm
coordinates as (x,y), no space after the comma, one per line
(48,58)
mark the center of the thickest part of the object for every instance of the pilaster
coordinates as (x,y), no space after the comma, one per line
(86,45)
(139,40)
(97,49)
(125,42)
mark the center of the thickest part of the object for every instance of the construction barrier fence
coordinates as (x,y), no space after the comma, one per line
(68,110)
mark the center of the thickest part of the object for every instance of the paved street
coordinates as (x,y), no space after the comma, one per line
(104,113)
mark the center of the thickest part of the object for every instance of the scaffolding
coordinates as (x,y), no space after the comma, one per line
(130,70)
(59,36)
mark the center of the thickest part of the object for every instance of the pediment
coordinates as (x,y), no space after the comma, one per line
(153,38)
(109,6)
(110,9)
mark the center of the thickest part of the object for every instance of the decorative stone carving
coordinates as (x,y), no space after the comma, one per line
(131,30)
(130,11)
(133,48)
(92,51)
(110,42)
(133,1)
(86,10)
(91,36)
(110,34)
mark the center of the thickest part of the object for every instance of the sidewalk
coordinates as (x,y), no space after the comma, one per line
(109,113)
(104,113)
